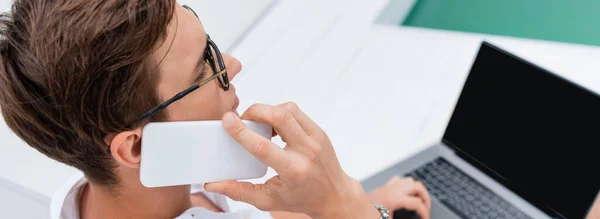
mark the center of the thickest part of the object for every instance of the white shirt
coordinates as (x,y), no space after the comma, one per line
(65,204)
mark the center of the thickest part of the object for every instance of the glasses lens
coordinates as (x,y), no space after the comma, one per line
(218,65)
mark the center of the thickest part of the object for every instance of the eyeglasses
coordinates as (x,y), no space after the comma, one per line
(214,58)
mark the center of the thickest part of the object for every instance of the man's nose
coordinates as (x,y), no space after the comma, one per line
(233,65)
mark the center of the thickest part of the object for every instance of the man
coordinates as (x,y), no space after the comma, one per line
(79,80)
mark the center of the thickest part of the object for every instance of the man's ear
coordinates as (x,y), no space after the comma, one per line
(126,148)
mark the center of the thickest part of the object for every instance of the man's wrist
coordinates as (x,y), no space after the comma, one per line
(366,211)
(354,204)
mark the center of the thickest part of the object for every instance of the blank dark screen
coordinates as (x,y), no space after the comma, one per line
(533,131)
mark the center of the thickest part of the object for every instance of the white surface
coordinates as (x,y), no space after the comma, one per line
(14,205)
(200,151)
(5,5)
(227,21)
(382,93)
(26,167)
(15,202)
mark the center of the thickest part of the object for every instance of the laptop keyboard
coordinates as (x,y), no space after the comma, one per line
(463,195)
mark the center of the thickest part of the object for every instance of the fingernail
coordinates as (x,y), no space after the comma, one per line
(229,118)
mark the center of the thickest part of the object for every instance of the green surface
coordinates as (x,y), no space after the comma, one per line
(574,21)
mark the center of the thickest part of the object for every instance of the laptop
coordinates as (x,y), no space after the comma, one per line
(520,144)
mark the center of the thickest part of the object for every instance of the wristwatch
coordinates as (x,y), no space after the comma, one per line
(385,214)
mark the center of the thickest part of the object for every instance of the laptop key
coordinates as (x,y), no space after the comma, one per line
(455,210)
(462,193)
(469,198)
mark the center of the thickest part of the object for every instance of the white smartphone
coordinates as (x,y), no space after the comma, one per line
(180,153)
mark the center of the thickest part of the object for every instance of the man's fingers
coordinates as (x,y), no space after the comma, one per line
(415,204)
(280,119)
(421,192)
(260,147)
(254,194)
(310,127)
(414,188)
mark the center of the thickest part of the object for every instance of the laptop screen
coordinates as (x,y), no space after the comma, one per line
(531,130)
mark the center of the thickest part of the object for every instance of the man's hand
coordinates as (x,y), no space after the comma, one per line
(310,180)
(403,193)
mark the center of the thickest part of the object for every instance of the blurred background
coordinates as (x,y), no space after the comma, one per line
(377,75)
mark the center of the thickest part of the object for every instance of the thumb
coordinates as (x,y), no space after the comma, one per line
(254,194)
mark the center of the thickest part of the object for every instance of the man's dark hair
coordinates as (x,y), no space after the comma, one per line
(74,71)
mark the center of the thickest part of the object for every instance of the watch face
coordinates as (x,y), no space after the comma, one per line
(385,214)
